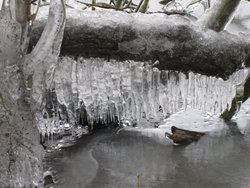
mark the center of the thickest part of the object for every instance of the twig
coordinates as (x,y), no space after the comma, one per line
(93,2)
(144,6)
(38,6)
(127,6)
(139,5)
(33,2)
(111,2)
(198,1)
(102,5)
(47,4)
(168,13)
(3,4)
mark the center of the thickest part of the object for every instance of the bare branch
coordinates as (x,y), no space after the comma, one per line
(168,13)
(102,5)
(217,17)
(139,5)
(53,27)
(193,3)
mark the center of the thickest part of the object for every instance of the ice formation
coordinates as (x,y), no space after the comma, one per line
(133,91)
(136,91)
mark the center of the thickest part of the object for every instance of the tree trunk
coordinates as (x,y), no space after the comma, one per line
(21,160)
(172,40)
(19,145)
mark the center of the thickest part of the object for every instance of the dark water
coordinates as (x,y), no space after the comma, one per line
(107,160)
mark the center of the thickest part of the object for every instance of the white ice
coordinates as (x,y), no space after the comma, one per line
(137,92)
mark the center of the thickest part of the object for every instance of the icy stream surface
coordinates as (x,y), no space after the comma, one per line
(140,94)
(111,158)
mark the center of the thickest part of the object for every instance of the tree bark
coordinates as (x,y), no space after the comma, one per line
(20,163)
(219,15)
(41,62)
(172,40)
(21,159)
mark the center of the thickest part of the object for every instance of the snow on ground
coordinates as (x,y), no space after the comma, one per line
(190,119)
(242,118)
(193,119)
(196,120)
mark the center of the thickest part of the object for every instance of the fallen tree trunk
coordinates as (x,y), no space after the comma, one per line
(173,40)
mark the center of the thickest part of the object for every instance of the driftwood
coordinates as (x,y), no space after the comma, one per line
(182,136)
(173,40)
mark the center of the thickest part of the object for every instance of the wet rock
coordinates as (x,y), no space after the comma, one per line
(48,179)
(182,136)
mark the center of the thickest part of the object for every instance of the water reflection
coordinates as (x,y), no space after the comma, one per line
(107,160)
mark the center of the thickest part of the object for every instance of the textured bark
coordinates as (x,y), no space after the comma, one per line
(172,40)
(41,62)
(21,159)
(20,163)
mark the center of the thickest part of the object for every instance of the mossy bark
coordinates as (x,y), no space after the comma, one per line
(173,41)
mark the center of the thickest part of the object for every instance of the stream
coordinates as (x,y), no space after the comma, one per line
(108,159)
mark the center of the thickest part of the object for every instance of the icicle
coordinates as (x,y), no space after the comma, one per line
(137,92)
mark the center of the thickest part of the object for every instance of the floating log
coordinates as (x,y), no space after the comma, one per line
(183,136)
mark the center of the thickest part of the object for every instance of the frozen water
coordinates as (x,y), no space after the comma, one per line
(133,91)
(241,118)
(136,91)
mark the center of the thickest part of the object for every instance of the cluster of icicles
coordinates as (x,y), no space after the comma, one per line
(137,92)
